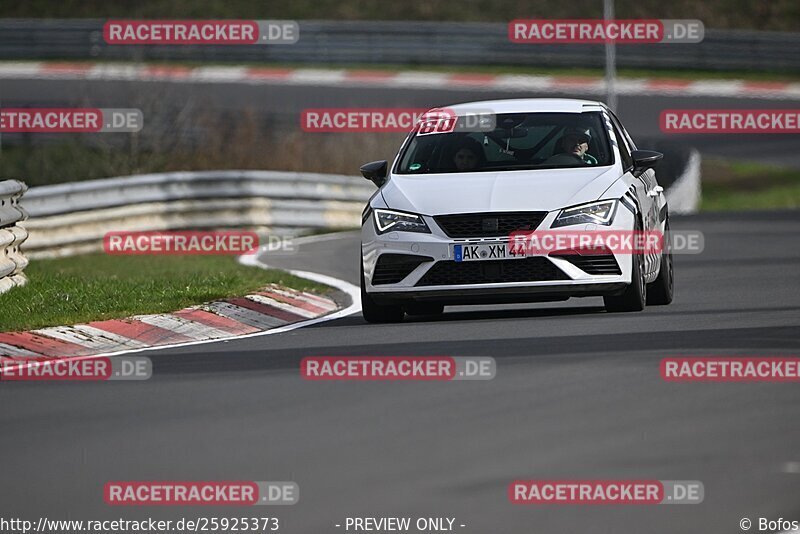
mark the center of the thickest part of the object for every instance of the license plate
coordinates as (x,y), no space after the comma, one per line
(485,252)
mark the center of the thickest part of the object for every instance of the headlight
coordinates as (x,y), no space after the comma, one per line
(388,220)
(597,213)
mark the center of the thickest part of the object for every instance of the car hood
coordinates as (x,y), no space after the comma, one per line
(539,190)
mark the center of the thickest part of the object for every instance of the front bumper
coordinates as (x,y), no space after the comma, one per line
(436,277)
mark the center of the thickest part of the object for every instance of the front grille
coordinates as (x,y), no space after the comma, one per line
(536,269)
(392,268)
(489,224)
(593,264)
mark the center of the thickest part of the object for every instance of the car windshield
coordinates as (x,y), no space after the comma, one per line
(519,141)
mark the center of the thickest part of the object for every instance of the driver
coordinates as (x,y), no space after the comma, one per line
(469,156)
(574,148)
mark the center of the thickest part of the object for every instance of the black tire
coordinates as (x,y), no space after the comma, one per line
(377,313)
(424,309)
(660,292)
(634,297)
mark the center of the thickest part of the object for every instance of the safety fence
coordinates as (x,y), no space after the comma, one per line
(410,43)
(12,260)
(72,218)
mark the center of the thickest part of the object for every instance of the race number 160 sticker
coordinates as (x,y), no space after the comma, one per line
(445,120)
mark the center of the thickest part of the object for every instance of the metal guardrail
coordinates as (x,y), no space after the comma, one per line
(12,261)
(72,218)
(410,43)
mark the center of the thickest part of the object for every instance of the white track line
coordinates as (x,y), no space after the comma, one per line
(792,468)
(316,238)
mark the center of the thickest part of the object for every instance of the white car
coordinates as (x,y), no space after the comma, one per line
(438,230)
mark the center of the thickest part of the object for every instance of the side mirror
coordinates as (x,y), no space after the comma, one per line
(645,159)
(375,172)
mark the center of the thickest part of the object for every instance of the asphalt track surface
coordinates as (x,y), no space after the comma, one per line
(284,103)
(577,396)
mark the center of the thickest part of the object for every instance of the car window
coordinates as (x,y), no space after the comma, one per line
(626,135)
(625,155)
(518,142)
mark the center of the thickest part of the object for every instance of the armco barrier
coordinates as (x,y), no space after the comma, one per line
(12,261)
(409,43)
(73,218)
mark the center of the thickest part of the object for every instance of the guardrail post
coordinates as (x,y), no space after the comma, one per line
(12,260)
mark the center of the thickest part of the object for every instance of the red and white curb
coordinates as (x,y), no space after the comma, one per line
(403,79)
(271,310)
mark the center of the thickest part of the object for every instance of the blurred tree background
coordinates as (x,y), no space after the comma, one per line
(780,15)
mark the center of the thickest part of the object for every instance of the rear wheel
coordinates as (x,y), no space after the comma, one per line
(635,295)
(660,292)
(377,313)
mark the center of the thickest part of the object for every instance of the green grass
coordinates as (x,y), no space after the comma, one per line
(776,197)
(79,289)
(748,186)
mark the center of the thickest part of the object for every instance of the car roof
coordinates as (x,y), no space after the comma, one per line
(528,105)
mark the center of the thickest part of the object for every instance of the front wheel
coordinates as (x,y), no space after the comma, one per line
(635,295)
(377,313)
(660,292)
